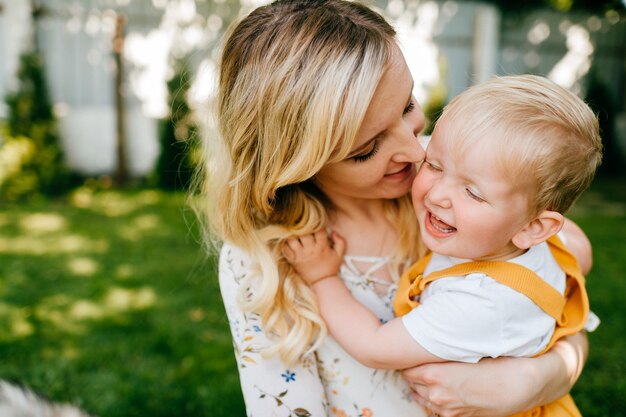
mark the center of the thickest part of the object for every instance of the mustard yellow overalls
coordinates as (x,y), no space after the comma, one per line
(569,310)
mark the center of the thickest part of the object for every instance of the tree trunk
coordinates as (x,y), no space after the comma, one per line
(121,171)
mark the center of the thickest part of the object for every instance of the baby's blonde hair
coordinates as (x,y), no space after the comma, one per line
(545,138)
(296,79)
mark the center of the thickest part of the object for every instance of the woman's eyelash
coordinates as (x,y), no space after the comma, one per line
(361,158)
(365,157)
(410,107)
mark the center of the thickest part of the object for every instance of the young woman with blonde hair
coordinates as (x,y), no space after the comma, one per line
(318,128)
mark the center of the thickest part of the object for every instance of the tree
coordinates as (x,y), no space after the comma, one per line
(596,6)
(178,135)
(599,99)
(31,126)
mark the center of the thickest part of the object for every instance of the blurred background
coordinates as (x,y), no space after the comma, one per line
(107,299)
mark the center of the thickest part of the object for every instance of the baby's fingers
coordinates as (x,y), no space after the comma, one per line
(338,243)
(288,253)
(321,237)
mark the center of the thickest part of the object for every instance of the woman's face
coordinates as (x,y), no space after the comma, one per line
(382,161)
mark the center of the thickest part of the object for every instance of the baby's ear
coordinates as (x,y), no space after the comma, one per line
(541,228)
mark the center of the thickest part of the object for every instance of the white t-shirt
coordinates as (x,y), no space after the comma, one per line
(472,317)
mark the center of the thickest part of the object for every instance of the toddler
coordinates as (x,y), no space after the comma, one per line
(506,160)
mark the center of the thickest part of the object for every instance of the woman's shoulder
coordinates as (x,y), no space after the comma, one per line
(234,264)
(233,256)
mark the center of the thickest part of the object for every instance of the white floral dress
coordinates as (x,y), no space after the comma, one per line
(329,383)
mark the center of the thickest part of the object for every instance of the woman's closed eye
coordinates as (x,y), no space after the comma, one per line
(409,107)
(367,155)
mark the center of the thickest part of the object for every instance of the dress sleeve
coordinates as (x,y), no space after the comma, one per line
(270,387)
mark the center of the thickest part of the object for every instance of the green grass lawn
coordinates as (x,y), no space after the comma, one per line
(107,302)
(601,212)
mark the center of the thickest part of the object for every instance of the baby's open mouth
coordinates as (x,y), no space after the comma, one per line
(439,225)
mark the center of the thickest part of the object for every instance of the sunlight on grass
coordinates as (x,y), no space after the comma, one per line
(14,323)
(41,223)
(86,310)
(69,315)
(83,266)
(124,271)
(139,225)
(36,245)
(113,203)
(122,299)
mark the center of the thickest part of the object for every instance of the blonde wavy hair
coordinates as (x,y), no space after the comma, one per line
(546,139)
(296,78)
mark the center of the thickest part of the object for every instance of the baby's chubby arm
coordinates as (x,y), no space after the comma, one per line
(317,259)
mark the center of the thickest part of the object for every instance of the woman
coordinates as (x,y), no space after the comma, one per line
(318,128)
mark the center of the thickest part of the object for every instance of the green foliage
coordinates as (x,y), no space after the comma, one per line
(594,6)
(599,99)
(30,154)
(436,100)
(178,136)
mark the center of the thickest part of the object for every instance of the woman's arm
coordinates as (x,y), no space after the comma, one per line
(499,387)
(577,241)
(270,387)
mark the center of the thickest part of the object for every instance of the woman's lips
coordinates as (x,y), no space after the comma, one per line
(406,171)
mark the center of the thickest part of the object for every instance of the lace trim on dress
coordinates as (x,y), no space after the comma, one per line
(351,272)
(366,280)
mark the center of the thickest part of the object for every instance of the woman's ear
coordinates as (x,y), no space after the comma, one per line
(541,228)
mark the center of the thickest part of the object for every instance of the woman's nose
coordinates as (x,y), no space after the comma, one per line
(419,120)
(410,149)
(413,125)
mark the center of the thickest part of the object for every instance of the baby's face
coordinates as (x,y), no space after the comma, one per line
(465,207)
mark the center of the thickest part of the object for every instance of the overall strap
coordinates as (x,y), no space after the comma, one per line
(409,287)
(513,275)
(576,309)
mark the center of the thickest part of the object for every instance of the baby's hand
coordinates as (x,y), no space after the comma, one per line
(315,256)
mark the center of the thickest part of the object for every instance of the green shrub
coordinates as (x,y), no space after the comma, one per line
(30,153)
(178,136)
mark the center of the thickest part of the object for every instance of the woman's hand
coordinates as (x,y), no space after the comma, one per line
(498,387)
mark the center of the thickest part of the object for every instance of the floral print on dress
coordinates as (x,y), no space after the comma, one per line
(328,383)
